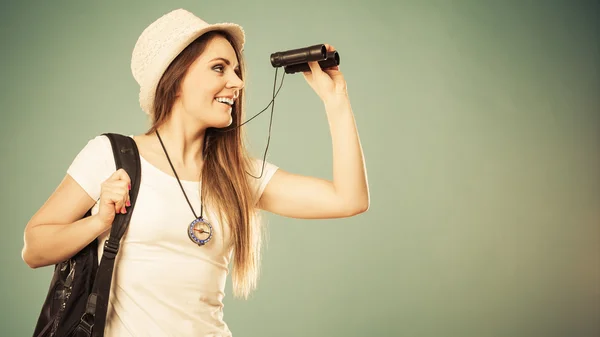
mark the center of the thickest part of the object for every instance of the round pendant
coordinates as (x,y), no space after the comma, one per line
(200,231)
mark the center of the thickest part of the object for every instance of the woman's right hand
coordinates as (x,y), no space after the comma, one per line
(114,197)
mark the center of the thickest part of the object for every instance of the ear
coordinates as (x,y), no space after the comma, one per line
(178,91)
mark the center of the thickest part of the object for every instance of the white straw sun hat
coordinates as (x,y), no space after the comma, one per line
(162,41)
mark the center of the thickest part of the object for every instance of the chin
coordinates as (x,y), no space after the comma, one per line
(221,118)
(223,123)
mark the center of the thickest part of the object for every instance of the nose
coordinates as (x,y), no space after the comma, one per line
(235,82)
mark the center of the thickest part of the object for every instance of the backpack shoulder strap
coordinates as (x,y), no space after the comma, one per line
(126,156)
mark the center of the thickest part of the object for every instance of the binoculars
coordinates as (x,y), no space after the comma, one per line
(296,60)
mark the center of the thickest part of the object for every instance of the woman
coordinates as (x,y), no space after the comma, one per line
(194,165)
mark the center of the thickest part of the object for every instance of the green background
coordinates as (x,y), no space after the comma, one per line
(480,122)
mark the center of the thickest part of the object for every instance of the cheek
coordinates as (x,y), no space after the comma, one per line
(196,97)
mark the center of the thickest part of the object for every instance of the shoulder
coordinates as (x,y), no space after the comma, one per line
(93,164)
(98,144)
(260,174)
(97,149)
(261,170)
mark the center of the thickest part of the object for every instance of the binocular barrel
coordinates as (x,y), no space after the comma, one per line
(332,60)
(296,60)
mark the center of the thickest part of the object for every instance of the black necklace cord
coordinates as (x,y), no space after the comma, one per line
(271,102)
(177,177)
(272,105)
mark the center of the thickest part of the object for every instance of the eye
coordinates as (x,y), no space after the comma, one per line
(219,68)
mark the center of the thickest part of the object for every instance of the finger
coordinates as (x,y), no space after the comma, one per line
(307,75)
(122,175)
(116,189)
(122,203)
(111,201)
(117,183)
(118,200)
(315,68)
(114,198)
(329,47)
(126,200)
(120,207)
(118,174)
(124,185)
(116,186)
(333,71)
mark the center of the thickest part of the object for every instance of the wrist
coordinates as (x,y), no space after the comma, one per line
(336,101)
(97,224)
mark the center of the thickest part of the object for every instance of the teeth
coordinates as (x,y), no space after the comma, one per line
(224,100)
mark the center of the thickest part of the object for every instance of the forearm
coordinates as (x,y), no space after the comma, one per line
(349,171)
(48,244)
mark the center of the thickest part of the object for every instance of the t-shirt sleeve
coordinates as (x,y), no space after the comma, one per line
(259,185)
(93,165)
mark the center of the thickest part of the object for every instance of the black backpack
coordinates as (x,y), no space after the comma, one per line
(77,300)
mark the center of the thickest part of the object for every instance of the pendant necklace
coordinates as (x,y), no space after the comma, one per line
(199,231)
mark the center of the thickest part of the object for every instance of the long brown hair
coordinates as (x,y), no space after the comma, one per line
(224,180)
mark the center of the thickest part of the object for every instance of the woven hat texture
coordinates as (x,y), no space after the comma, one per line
(162,41)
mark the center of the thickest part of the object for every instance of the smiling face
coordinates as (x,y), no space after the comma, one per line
(211,85)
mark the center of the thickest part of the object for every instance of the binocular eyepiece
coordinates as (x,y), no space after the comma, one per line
(296,60)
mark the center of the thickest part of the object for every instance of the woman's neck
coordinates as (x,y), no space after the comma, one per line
(183,143)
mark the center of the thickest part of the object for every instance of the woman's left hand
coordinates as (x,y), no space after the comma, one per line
(328,83)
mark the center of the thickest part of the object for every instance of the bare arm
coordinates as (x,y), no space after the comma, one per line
(298,196)
(57,231)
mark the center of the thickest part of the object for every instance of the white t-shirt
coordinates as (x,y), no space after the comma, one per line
(163,283)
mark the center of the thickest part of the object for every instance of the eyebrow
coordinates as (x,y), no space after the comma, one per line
(224,60)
